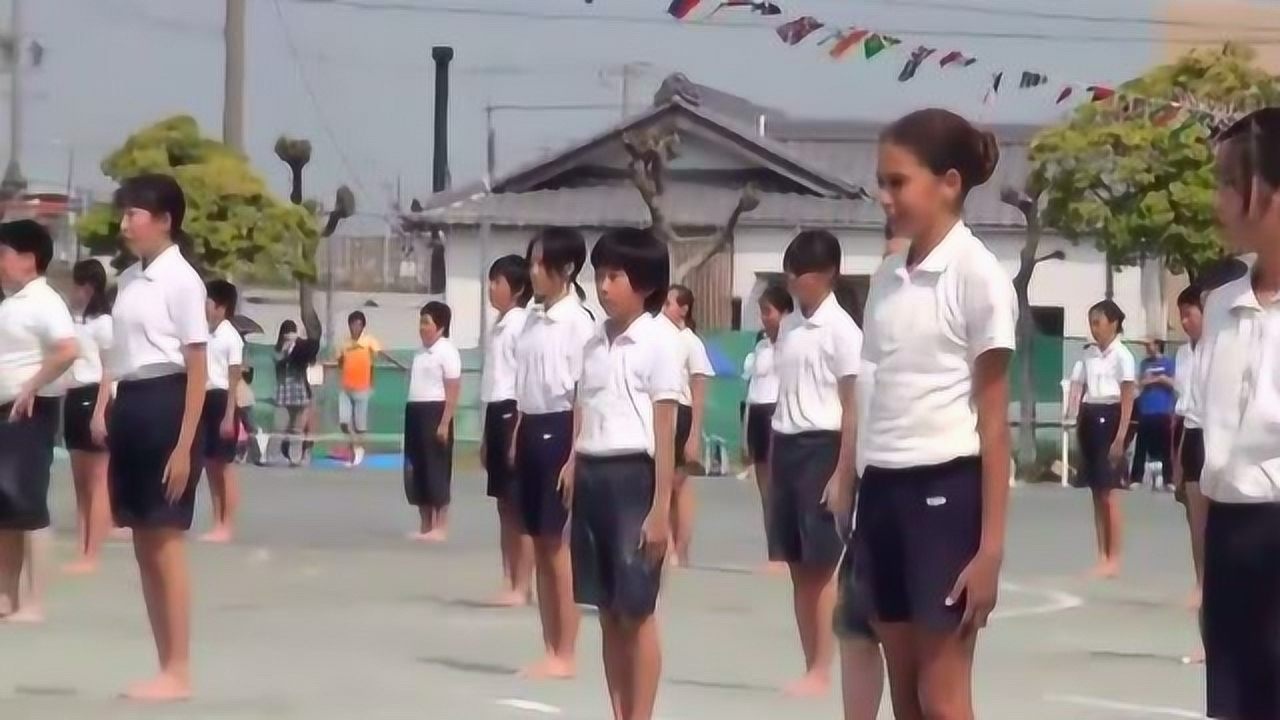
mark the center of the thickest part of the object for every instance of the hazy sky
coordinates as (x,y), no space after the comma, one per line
(114,65)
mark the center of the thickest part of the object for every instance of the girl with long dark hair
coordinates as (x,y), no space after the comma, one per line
(678,312)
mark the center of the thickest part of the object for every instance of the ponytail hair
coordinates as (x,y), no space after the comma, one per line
(515,270)
(90,274)
(563,253)
(943,141)
(684,298)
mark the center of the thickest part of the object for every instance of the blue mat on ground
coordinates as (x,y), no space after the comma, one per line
(391,461)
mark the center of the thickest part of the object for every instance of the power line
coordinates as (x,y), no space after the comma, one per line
(315,102)
(729,24)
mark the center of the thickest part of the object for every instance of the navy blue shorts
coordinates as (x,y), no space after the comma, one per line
(77,415)
(142,432)
(499,432)
(917,530)
(684,425)
(612,496)
(26,452)
(759,431)
(543,444)
(1192,454)
(800,528)
(217,447)
(428,463)
(1095,432)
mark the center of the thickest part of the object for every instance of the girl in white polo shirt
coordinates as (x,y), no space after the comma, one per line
(934,442)
(154,431)
(84,411)
(1236,398)
(1106,373)
(817,357)
(549,365)
(509,293)
(435,379)
(678,312)
(760,371)
(37,345)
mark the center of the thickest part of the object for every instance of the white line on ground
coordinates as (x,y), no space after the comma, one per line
(1124,707)
(1057,601)
(529,706)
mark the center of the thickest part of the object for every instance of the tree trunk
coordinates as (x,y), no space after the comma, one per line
(1025,449)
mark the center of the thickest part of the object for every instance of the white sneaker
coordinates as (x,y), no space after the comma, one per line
(357,456)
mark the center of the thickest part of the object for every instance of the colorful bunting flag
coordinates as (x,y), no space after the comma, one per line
(764,8)
(1098,93)
(918,56)
(848,41)
(877,43)
(957,58)
(1031,79)
(680,9)
(1066,93)
(795,31)
(995,82)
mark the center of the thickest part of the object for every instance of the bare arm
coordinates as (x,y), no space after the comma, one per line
(196,358)
(56,362)
(845,462)
(452,389)
(664,431)
(991,390)
(1126,416)
(1073,401)
(385,356)
(233,384)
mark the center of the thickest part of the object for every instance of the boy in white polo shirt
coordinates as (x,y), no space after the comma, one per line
(37,345)
(623,465)
(1236,398)
(221,430)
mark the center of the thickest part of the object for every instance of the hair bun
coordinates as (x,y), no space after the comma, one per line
(988,155)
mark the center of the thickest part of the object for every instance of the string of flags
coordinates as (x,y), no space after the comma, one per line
(843,42)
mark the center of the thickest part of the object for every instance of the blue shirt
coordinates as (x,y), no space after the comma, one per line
(1156,399)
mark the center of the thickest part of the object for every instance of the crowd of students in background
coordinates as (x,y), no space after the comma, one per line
(879,434)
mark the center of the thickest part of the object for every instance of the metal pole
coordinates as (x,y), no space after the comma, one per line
(1066,434)
(485,229)
(71,171)
(15,85)
(491,146)
(233,76)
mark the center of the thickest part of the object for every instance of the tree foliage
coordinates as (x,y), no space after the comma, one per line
(238,226)
(1135,173)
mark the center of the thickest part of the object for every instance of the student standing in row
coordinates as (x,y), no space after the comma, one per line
(677,310)
(37,345)
(84,412)
(760,371)
(509,293)
(932,500)
(1154,408)
(356,359)
(1236,398)
(549,365)
(154,432)
(221,427)
(435,380)
(1107,375)
(1188,442)
(817,358)
(620,483)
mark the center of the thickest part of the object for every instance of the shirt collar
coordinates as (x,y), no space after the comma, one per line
(153,269)
(823,313)
(945,251)
(561,309)
(37,284)
(1240,294)
(509,317)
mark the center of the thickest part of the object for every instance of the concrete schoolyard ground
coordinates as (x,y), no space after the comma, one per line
(322,610)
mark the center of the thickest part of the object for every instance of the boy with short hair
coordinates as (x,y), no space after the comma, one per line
(620,485)
(221,428)
(355,360)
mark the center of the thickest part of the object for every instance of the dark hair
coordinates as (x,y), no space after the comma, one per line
(91,274)
(1191,296)
(223,294)
(158,194)
(286,327)
(1251,151)
(888,231)
(439,313)
(357,315)
(760,335)
(684,298)
(1111,311)
(561,247)
(812,251)
(246,372)
(777,297)
(942,140)
(515,270)
(1221,272)
(849,299)
(639,254)
(28,237)
(1160,346)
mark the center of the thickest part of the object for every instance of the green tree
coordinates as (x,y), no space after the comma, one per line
(238,226)
(1134,173)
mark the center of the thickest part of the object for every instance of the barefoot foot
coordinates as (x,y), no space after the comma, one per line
(773,567)
(549,668)
(164,688)
(217,535)
(25,616)
(1106,570)
(511,599)
(81,567)
(1195,658)
(435,536)
(811,685)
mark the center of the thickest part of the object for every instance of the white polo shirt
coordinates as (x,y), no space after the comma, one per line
(159,310)
(926,327)
(498,378)
(1237,396)
(93,342)
(226,348)
(1103,371)
(620,383)
(692,353)
(432,366)
(32,321)
(759,372)
(812,355)
(1183,371)
(549,356)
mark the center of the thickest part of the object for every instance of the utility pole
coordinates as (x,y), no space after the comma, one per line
(233,76)
(13,182)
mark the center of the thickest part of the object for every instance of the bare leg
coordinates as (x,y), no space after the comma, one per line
(642,652)
(1106,566)
(904,669)
(683,511)
(35,557)
(225,492)
(862,678)
(946,674)
(517,556)
(615,663)
(558,613)
(12,549)
(1115,531)
(1197,511)
(82,477)
(439,525)
(99,516)
(814,601)
(162,564)
(771,567)
(424,523)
